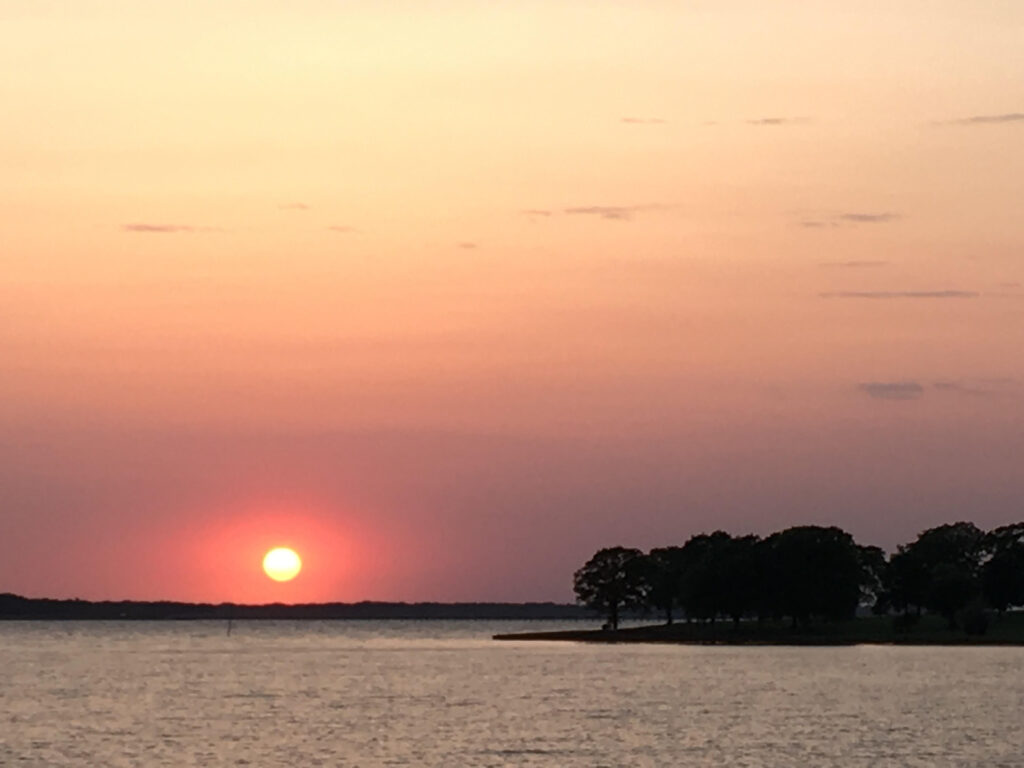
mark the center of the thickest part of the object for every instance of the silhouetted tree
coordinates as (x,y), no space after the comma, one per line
(663,572)
(815,571)
(702,587)
(742,576)
(611,581)
(905,580)
(1002,574)
(952,588)
(950,556)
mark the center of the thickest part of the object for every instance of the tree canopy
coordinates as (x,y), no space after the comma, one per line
(809,573)
(612,580)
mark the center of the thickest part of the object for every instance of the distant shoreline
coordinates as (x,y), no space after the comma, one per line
(18,608)
(1007,630)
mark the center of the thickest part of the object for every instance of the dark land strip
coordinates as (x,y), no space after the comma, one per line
(16,607)
(1007,629)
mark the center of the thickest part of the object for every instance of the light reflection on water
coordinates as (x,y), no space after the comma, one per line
(434,693)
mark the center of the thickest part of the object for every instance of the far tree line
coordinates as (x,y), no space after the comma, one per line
(809,573)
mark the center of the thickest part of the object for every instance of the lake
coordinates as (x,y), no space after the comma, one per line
(434,693)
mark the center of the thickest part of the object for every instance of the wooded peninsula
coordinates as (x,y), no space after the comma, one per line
(954,584)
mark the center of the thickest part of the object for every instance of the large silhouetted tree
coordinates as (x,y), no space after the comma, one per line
(611,581)
(703,583)
(950,557)
(815,571)
(905,580)
(742,576)
(1002,574)
(663,572)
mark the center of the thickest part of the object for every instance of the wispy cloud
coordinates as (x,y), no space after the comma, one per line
(537,212)
(768,121)
(612,212)
(1007,117)
(892,390)
(854,263)
(644,120)
(467,245)
(946,294)
(849,218)
(909,389)
(164,229)
(294,207)
(868,218)
(979,387)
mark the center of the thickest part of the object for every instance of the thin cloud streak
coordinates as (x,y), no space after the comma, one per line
(1008,117)
(770,121)
(644,120)
(892,390)
(868,218)
(949,294)
(850,218)
(164,229)
(854,263)
(983,387)
(611,212)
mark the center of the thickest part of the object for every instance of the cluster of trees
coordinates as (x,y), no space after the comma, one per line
(807,573)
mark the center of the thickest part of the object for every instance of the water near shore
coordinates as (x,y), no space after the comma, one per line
(443,694)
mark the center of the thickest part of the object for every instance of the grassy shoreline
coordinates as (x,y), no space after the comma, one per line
(1007,630)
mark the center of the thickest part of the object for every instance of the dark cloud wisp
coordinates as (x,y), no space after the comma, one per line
(611,212)
(854,263)
(164,229)
(868,218)
(979,387)
(1007,117)
(946,294)
(768,121)
(850,218)
(891,390)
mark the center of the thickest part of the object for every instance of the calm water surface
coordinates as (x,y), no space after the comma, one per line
(442,694)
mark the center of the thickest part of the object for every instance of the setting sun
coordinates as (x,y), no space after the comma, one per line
(282,564)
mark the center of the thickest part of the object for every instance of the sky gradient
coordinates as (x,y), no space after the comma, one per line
(446,296)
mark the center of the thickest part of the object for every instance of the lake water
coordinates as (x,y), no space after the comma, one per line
(432,693)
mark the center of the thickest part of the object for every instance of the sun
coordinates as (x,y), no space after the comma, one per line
(282,564)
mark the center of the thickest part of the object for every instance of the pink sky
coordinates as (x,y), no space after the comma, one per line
(449,295)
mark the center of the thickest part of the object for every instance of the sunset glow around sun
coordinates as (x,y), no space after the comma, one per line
(282,564)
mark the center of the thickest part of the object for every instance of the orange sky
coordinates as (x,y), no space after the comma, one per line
(459,292)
